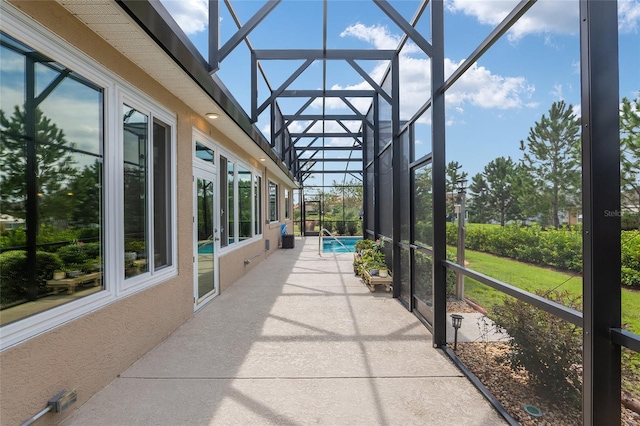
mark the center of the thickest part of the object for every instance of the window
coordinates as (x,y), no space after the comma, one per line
(162,251)
(244,203)
(287,209)
(240,201)
(136,218)
(273,202)
(224,211)
(51,181)
(147,193)
(257,204)
(231,204)
(55,178)
(204,153)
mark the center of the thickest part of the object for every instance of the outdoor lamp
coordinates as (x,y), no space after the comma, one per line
(462,185)
(456,320)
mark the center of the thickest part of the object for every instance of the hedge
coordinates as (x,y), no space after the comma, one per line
(560,248)
(13,274)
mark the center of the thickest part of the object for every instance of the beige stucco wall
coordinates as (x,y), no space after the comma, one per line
(88,353)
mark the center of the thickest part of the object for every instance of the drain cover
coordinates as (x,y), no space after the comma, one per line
(532,410)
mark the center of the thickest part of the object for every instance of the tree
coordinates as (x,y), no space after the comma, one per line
(552,157)
(54,166)
(479,208)
(500,176)
(630,158)
(453,175)
(525,191)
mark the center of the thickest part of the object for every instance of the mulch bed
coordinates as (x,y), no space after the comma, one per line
(513,392)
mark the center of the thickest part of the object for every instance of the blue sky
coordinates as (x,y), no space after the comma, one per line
(489,110)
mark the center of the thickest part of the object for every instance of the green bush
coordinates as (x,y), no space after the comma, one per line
(352,228)
(72,254)
(13,274)
(341,228)
(363,244)
(91,250)
(631,258)
(547,347)
(561,248)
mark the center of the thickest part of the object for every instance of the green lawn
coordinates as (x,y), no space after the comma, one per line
(530,278)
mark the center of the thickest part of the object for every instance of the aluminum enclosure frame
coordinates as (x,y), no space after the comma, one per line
(601,319)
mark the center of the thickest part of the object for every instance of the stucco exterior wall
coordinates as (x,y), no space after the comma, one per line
(89,352)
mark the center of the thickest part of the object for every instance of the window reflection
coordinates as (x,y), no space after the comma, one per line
(51,184)
(135,138)
(244,203)
(273,202)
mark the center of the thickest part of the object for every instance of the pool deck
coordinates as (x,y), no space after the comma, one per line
(298,340)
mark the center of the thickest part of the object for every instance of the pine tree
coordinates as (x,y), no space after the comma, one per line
(494,196)
(552,158)
(54,166)
(630,158)
(479,208)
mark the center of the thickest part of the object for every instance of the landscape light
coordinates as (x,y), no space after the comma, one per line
(456,320)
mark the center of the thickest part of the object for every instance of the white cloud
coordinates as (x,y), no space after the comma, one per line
(478,86)
(544,17)
(378,36)
(628,15)
(557,91)
(191,15)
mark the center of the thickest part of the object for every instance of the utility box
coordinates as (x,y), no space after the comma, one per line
(287,241)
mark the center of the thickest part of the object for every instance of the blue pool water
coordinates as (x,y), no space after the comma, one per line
(206,248)
(330,245)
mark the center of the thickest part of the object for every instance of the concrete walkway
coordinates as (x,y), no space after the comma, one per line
(299,340)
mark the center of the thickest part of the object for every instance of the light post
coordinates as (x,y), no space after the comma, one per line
(456,321)
(462,187)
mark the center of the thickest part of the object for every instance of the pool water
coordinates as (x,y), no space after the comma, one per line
(330,245)
(206,248)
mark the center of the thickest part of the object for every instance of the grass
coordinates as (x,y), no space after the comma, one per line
(531,278)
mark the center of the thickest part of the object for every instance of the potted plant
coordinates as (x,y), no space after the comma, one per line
(73,270)
(362,245)
(59,274)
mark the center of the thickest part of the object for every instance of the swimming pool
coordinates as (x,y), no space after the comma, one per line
(330,245)
(206,248)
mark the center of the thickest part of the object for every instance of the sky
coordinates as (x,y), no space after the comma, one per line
(488,111)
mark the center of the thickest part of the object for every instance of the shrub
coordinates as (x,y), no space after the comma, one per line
(363,244)
(547,347)
(631,258)
(135,245)
(352,228)
(340,227)
(328,226)
(14,284)
(91,250)
(72,254)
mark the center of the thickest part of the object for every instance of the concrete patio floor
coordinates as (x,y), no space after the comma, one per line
(298,340)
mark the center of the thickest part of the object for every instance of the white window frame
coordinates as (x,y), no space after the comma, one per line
(277,220)
(152,110)
(218,152)
(24,29)
(287,205)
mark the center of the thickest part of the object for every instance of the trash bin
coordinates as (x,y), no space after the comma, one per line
(287,239)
